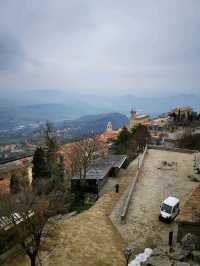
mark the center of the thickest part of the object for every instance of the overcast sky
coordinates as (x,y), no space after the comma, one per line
(139,47)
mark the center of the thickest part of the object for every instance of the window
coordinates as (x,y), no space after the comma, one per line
(166,208)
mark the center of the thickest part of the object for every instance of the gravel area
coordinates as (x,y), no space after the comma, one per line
(143,228)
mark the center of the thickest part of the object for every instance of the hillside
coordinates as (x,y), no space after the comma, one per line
(93,123)
(64,106)
(75,128)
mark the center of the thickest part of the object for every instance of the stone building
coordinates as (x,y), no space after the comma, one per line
(20,168)
(99,171)
(109,134)
(181,113)
(189,218)
(138,119)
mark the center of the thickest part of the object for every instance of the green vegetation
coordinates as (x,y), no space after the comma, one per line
(39,164)
(141,135)
(80,206)
(131,142)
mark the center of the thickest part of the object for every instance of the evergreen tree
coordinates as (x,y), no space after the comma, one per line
(39,164)
(125,144)
(141,135)
(51,149)
(124,137)
(59,177)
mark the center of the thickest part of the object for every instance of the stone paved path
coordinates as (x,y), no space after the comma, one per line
(128,177)
(143,228)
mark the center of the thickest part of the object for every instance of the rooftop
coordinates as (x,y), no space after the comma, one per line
(191,210)
(101,167)
(142,116)
(182,109)
(171,201)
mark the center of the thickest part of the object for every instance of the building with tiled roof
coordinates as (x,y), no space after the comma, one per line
(189,217)
(183,113)
(19,168)
(135,119)
(109,134)
(182,109)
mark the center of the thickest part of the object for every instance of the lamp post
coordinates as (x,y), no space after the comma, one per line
(128,251)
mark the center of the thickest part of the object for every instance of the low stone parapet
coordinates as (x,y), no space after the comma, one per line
(132,186)
(155,147)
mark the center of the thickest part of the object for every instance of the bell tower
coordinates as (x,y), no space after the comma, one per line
(109,128)
(132,119)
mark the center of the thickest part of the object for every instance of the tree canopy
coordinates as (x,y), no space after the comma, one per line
(130,142)
(39,164)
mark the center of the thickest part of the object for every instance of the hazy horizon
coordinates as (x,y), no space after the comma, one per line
(141,48)
(46,96)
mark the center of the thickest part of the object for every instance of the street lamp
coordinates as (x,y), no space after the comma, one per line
(128,251)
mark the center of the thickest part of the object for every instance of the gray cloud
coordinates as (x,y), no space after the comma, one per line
(133,46)
(11,53)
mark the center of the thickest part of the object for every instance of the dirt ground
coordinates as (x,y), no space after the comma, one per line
(143,228)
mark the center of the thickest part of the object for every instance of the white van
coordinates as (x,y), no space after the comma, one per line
(169,209)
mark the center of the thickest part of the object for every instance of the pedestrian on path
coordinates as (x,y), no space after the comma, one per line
(117,188)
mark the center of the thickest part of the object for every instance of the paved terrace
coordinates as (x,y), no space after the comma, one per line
(156,182)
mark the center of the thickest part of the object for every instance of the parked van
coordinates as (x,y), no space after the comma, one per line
(169,209)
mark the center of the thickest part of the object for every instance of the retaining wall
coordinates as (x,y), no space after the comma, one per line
(132,186)
(155,147)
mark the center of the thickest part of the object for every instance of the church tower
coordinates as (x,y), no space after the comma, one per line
(132,119)
(109,128)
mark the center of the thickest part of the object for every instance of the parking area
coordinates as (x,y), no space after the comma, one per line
(165,173)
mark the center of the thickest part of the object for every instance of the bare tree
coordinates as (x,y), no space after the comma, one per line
(26,214)
(83,153)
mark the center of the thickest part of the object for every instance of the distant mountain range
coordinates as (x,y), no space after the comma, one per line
(58,106)
(85,125)
(93,123)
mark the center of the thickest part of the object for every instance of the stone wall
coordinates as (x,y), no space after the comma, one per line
(132,186)
(155,147)
(185,228)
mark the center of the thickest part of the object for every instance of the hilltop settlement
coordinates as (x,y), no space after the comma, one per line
(126,196)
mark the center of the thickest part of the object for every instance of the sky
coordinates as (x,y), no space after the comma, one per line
(139,47)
